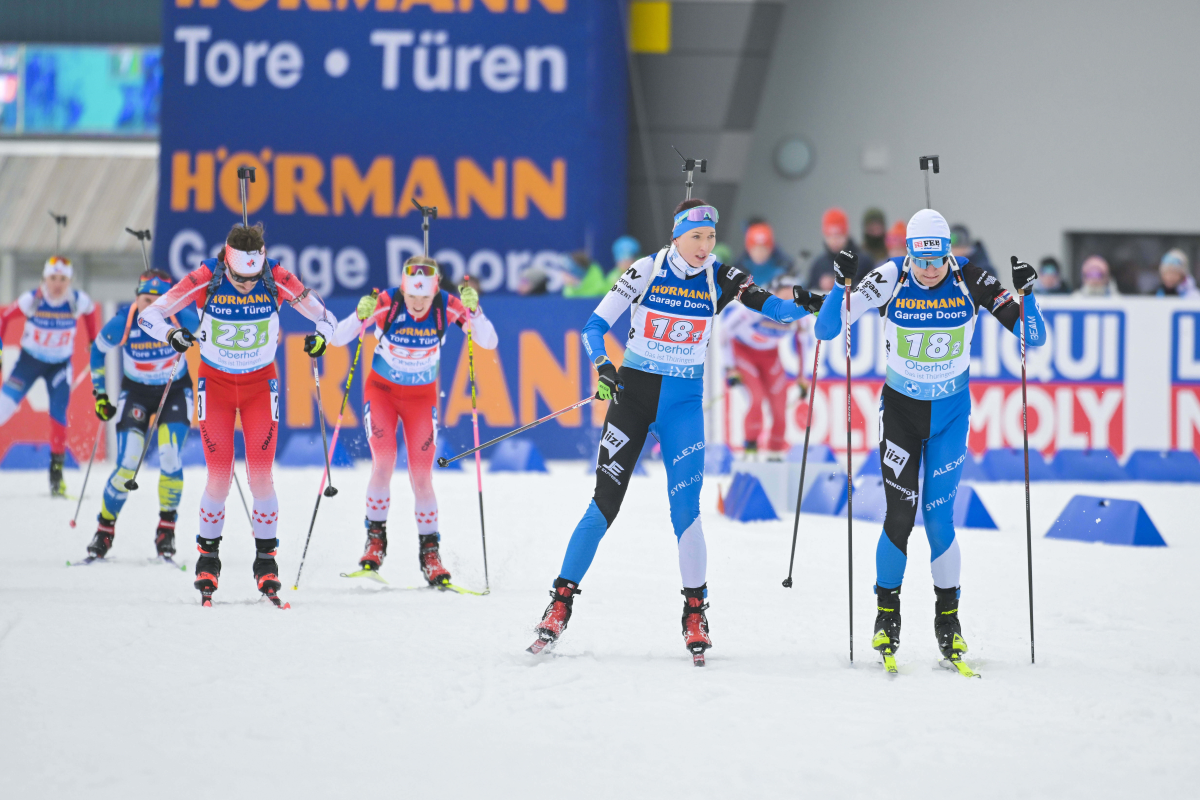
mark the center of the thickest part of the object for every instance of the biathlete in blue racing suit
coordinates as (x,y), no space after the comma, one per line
(659,390)
(146,366)
(929,301)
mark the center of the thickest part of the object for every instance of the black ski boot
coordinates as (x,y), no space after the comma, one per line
(208,568)
(164,536)
(102,541)
(695,624)
(946,625)
(266,571)
(887,625)
(58,487)
(376,549)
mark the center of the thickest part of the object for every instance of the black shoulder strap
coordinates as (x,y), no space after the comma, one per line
(439,310)
(214,283)
(393,312)
(268,279)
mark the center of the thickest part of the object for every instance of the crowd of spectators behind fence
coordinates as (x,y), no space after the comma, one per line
(577,275)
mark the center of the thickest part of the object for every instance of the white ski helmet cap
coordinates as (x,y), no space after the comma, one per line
(57,265)
(928,235)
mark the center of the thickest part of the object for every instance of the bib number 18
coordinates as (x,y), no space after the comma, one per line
(934,346)
(674,329)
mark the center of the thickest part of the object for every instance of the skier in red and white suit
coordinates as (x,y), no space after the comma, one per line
(238,295)
(402,387)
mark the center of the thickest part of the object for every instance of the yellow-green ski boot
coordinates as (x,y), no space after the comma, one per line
(887,626)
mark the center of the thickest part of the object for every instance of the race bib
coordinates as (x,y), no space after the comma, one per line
(241,335)
(274,384)
(926,346)
(201,400)
(664,328)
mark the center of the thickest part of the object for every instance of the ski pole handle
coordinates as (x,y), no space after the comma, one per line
(442,462)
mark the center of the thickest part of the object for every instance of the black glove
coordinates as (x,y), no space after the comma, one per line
(807,300)
(1023,276)
(181,339)
(314,345)
(845,264)
(733,378)
(610,384)
(105,410)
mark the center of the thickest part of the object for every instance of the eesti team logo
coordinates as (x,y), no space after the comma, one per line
(912,388)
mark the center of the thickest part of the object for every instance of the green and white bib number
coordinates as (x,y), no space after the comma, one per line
(241,335)
(926,346)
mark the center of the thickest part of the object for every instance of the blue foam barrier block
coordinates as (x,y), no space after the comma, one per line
(308,450)
(973,470)
(27,455)
(747,500)
(442,450)
(868,464)
(1176,466)
(718,459)
(826,494)
(969,510)
(1100,519)
(817,453)
(192,454)
(517,455)
(1087,465)
(870,503)
(1008,464)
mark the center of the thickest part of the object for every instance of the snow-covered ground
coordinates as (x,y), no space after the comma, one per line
(114,682)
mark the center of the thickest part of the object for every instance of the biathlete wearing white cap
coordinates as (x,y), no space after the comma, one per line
(411,321)
(239,294)
(929,300)
(659,389)
(51,314)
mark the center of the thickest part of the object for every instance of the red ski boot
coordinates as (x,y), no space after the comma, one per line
(208,568)
(695,624)
(431,560)
(557,615)
(373,555)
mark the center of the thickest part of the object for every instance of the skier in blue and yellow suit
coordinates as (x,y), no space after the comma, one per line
(146,365)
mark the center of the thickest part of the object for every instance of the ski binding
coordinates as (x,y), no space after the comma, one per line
(955,662)
(365,572)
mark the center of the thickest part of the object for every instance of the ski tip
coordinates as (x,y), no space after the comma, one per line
(538,646)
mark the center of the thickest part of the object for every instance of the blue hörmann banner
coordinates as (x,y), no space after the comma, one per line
(508,115)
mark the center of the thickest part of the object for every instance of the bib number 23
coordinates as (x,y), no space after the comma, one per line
(242,337)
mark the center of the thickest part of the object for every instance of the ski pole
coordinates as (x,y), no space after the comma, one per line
(336,430)
(812,399)
(1025,437)
(95,444)
(849,476)
(60,224)
(442,462)
(132,484)
(487,588)
(238,483)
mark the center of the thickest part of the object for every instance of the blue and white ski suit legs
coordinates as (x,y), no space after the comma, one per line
(912,432)
(672,409)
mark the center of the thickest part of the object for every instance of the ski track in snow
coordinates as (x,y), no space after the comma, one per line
(115,683)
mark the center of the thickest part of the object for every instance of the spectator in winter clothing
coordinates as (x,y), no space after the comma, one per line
(835,229)
(897,246)
(1049,280)
(1175,275)
(874,231)
(626,250)
(1096,279)
(762,260)
(962,246)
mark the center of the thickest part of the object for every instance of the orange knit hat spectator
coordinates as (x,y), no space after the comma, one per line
(835,222)
(760,235)
(896,235)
